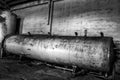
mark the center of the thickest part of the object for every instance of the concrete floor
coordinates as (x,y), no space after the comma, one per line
(15,70)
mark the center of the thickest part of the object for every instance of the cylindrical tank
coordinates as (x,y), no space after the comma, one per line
(3,30)
(94,53)
(10,20)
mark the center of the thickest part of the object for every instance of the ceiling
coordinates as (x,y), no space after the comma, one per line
(7,4)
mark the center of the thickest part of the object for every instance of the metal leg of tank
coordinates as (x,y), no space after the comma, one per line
(97,75)
(77,71)
(113,72)
(1,53)
(103,76)
(82,72)
(106,76)
(112,76)
(74,71)
(20,57)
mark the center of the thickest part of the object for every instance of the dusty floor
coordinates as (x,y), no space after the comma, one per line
(15,70)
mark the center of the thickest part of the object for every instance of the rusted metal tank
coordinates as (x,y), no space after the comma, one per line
(3,32)
(10,21)
(94,53)
(3,29)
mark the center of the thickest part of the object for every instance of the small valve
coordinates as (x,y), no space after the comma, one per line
(29,33)
(76,34)
(85,33)
(102,34)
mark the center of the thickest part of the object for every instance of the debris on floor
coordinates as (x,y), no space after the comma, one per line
(15,70)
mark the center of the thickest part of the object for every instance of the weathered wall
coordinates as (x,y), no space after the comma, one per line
(75,16)
(94,15)
(35,19)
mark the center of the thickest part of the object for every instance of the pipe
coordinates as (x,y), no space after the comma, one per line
(49,12)
(51,20)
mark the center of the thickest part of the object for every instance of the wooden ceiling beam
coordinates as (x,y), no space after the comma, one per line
(21,1)
(3,2)
(9,1)
(17,2)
